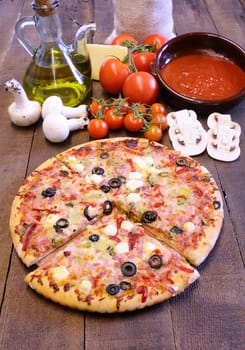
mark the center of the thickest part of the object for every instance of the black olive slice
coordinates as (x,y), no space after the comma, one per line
(122,179)
(64,172)
(132,143)
(115,182)
(94,237)
(60,224)
(105,188)
(104,155)
(87,215)
(148,216)
(98,170)
(49,192)
(124,285)
(181,161)
(112,289)
(107,207)
(216,204)
(176,229)
(128,268)
(155,261)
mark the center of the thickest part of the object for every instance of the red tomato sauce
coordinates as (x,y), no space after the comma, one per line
(204,77)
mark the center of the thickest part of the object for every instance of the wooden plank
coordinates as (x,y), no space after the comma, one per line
(103,16)
(228,17)
(15,143)
(191,16)
(232,177)
(147,329)
(7,26)
(210,327)
(73,13)
(29,321)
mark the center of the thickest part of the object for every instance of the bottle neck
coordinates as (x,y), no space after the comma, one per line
(49,28)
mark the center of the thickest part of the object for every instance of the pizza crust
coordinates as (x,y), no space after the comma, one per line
(103,303)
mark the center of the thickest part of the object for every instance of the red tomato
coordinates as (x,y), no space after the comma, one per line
(112,75)
(158,108)
(141,87)
(142,61)
(121,38)
(159,119)
(114,118)
(155,39)
(122,104)
(94,107)
(97,128)
(154,133)
(133,123)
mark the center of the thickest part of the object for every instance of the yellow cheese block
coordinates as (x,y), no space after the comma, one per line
(99,52)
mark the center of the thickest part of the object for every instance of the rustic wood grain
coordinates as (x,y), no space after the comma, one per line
(233,27)
(209,314)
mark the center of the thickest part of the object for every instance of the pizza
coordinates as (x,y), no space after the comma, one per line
(115,225)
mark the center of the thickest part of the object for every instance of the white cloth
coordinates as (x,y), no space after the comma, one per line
(140,18)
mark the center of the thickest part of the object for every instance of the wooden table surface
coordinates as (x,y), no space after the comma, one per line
(208,315)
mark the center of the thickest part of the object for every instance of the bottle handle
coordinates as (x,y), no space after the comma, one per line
(82,31)
(20,33)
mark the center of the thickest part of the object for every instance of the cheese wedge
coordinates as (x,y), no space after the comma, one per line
(99,52)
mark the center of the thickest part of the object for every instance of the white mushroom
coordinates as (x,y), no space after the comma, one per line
(22,112)
(59,120)
(54,103)
(186,132)
(223,137)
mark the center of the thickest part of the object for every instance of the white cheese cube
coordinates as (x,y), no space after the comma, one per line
(121,248)
(133,197)
(110,230)
(127,225)
(133,185)
(85,286)
(59,273)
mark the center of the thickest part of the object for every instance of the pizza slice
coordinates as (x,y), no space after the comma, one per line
(112,266)
(178,202)
(50,208)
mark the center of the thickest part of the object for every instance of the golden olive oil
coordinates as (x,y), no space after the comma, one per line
(56,73)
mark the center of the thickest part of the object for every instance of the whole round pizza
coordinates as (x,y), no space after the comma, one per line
(115,225)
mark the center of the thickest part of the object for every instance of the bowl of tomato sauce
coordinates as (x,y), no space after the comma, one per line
(201,71)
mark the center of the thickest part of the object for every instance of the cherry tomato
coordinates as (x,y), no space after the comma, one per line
(154,133)
(97,128)
(94,107)
(140,108)
(112,75)
(158,108)
(159,119)
(121,38)
(133,123)
(122,104)
(141,87)
(155,39)
(114,118)
(143,60)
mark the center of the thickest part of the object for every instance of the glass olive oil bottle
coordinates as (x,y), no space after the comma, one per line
(56,68)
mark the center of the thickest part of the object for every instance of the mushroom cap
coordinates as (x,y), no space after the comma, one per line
(55,127)
(51,104)
(26,116)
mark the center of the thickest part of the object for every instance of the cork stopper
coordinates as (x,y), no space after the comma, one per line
(45,7)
